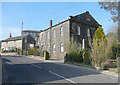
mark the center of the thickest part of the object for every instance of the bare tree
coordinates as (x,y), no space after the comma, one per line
(113,7)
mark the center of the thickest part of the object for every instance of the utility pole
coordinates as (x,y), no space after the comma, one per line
(22,26)
(22,37)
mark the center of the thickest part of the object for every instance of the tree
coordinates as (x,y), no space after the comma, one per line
(113,37)
(100,48)
(112,7)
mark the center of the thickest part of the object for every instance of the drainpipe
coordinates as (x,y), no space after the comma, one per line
(50,38)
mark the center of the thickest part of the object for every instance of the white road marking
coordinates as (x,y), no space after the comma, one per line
(62,77)
(29,63)
(36,66)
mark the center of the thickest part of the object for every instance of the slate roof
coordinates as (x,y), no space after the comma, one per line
(86,18)
(12,39)
(31,31)
(81,18)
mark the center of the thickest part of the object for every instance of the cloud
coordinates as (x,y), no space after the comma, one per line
(13,30)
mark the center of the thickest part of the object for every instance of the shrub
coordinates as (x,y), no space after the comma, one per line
(74,57)
(115,51)
(87,60)
(105,67)
(32,51)
(19,51)
(73,50)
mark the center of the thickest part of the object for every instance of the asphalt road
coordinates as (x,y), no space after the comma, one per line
(27,70)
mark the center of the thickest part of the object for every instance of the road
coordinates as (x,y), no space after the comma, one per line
(28,70)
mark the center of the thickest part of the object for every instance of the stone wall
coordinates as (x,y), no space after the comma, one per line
(47,43)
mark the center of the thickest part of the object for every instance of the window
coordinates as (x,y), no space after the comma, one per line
(54,33)
(48,35)
(41,36)
(88,32)
(78,30)
(54,48)
(61,47)
(47,48)
(61,30)
(41,47)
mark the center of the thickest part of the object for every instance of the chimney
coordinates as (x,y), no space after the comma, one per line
(10,35)
(70,17)
(50,23)
(87,11)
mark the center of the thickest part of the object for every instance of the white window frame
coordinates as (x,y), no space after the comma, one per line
(54,47)
(61,47)
(78,30)
(41,36)
(54,33)
(88,32)
(48,35)
(61,31)
(48,47)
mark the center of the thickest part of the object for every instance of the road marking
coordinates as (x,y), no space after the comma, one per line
(36,66)
(29,63)
(62,77)
(33,64)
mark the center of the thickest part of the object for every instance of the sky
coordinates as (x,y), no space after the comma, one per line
(36,15)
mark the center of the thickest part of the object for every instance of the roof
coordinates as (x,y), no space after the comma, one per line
(31,31)
(12,39)
(55,25)
(81,18)
(86,18)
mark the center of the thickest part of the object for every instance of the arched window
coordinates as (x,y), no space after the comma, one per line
(54,47)
(48,47)
(78,30)
(88,32)
(61,30)
(41,37)
(61,47)
(54,33)
(48,35)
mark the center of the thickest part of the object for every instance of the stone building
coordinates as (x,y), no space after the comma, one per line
(11,43)
(29,38)
(80,27)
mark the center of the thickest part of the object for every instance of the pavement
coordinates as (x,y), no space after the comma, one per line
(108,72)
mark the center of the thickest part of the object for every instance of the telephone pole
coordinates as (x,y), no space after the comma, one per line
(22,37)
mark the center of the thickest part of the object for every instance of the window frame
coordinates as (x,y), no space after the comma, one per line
(61,31)
(61,47)
(54,48)
(48,35)
(48,47)
(88,32)
(54,33)
(78,30)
